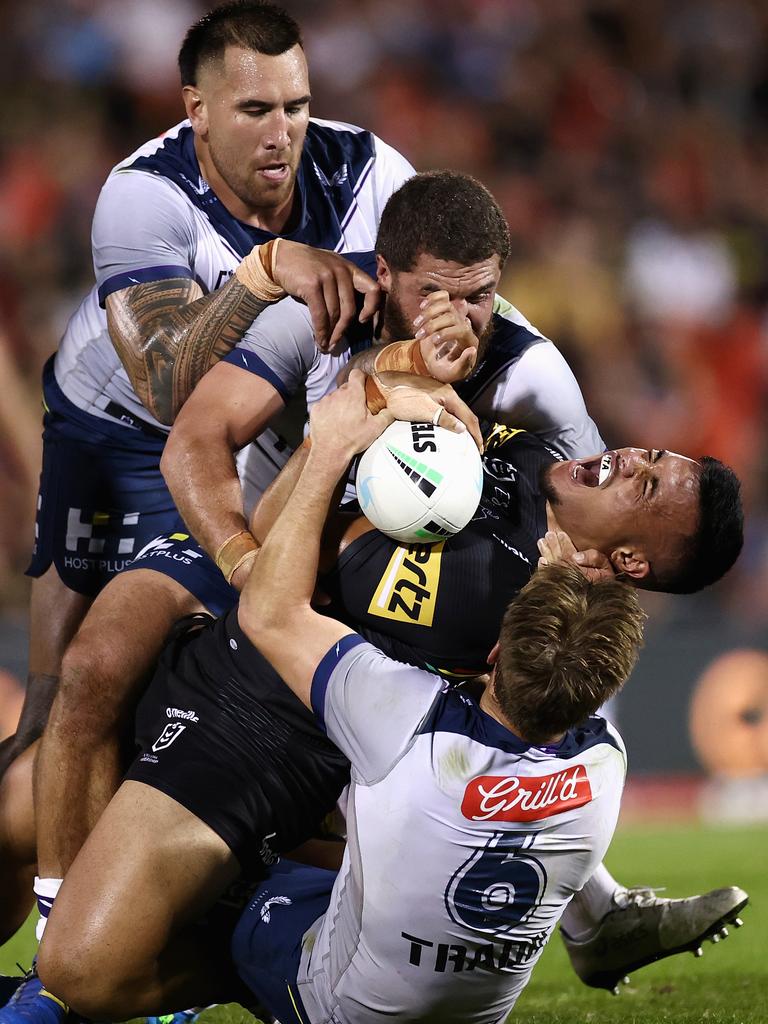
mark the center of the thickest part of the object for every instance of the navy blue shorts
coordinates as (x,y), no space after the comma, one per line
(103,499)
(180,556)
(266,945)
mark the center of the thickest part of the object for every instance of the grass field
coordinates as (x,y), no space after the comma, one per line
(728,985)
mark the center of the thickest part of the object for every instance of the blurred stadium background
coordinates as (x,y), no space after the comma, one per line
(628,145)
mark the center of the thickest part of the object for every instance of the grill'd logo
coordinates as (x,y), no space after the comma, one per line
(513,798)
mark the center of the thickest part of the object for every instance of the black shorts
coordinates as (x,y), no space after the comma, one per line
(219,732)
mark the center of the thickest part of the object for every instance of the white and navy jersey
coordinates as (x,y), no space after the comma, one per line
(523,381)
(157,219)
(465,844)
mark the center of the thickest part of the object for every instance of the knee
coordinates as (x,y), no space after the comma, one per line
(84,976)
(91,682)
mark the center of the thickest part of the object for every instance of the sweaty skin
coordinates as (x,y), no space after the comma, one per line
(250,112)
(446,305)
(642,513)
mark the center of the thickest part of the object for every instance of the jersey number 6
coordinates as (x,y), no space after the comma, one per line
(497,887)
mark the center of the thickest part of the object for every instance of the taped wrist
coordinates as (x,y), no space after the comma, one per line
(256,272)
(374,395)
(234,552)
(403,356)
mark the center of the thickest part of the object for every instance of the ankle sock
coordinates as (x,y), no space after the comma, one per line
(46,891)
(586,910)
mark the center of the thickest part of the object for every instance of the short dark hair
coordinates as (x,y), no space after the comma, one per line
(719,537)
(444,213)
(566,645)
(252,24)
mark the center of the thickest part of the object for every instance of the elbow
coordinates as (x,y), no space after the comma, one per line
(256,613)
(174,455)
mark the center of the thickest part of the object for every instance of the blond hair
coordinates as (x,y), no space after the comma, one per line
(566,645)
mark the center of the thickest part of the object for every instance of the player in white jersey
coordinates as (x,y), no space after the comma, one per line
(175,221)
(179,278)
(288,783)
(471,823)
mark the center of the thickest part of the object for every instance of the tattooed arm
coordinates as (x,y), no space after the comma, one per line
(168,336)
(232,404)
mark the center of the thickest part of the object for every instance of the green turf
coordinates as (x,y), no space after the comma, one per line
(728,985)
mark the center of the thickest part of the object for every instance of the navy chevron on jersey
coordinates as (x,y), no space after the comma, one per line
(465,845)
(178,228)
(439,606)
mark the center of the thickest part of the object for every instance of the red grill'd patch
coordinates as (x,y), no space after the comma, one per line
(509,798)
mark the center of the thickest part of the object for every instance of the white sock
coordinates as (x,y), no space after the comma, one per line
(46,891)
(587,908)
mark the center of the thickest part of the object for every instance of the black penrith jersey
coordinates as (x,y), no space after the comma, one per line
(440,606)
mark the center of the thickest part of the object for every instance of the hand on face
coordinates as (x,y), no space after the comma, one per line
(341,425)
(449,346)
(556,546)
(327,283)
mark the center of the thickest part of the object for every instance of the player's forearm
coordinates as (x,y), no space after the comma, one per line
(167,338)
(275,498)
(280,579)
(360,361)
(202,477)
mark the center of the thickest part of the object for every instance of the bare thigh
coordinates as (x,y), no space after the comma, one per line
(117,942)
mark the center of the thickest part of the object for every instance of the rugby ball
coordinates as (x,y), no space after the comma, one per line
(420,483)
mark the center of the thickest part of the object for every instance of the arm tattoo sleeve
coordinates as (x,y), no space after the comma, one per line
(167,336)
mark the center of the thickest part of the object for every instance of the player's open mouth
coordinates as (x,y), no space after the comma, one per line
(595,472)
(275,172)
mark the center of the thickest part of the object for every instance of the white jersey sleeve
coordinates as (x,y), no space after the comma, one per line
(525,381)
(390,170)
(142,231)
(278,346)
(371,706)
(543,395)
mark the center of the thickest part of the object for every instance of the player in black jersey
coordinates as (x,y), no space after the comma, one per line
(438,605)
(234,770)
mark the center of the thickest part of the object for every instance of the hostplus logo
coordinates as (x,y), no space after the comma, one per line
(168,547)
(94,540)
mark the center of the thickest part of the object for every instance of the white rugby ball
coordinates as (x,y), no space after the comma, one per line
(420,483)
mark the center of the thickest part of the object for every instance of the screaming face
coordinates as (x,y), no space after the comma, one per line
(637,506)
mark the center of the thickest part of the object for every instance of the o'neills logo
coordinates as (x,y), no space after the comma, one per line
(506,798)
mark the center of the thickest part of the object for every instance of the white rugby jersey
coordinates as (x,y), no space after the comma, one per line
(464,846)
(523,380)
(156,218)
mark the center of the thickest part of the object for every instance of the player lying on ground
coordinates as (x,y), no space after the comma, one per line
(198,808)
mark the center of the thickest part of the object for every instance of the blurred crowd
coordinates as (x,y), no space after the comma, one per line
(627,143)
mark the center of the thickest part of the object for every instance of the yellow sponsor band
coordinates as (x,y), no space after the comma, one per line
(407,592)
